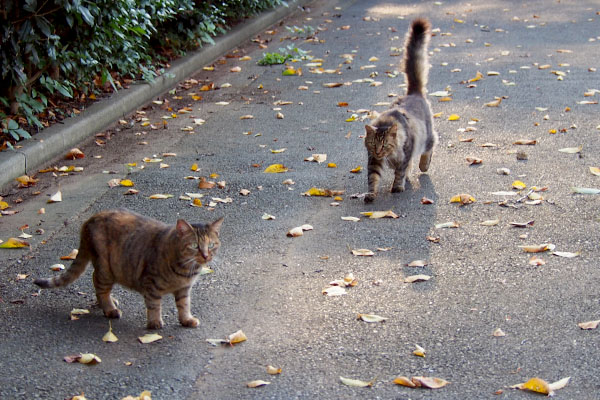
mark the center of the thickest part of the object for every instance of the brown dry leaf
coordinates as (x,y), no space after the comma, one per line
(257,383)
(426,200)
(474,160)
(73,154)
(72,255)
(380,214)
(429,382)
(237,337)
(362,252)
(589,324)
(342,104)
(333,84)
(203,183)
(494,103)
(247,116)
(525,142)
(540,248)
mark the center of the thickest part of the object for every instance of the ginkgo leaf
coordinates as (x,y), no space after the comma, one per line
(109,336)
(266,216)
(55,198)
(126,183)
(275,168)
(356,382)
(417,278)
(595,171)
(453,117)
(518,185)
(356,170)
(589,324)
(571,150)
(89,358)
(362,252)
(534,385)
(257,383)
(333,84)
(149,338)
(371,318)
(271,370)
(14,243)
(419,351)
(380,214)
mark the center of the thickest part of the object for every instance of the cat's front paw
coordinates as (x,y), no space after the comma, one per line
(370,197)
(155,324)
(191,322)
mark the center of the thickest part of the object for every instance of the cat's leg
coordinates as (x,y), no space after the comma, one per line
(425,161)
(182,299)
(153,309)
(375,170)
(400,175)
(103,285)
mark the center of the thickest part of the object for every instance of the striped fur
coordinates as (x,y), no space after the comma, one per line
(145,255)
(406,130)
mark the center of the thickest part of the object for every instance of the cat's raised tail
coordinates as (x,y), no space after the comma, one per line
(416,63)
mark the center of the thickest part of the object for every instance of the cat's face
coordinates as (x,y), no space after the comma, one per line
(381,141)
(199,242)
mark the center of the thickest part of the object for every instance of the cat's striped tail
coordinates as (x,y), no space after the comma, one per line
(69,276)
(416,63)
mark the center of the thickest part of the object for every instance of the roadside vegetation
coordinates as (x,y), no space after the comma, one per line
(58,55)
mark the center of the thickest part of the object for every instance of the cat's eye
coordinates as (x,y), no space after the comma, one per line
(211,246)
(193,246)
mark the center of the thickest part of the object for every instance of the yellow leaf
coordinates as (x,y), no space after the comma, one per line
(419,351)
(463,199)
(379,214)
(126,183)
(278,150)
(454,117)
(494,103)
(289,71)
(352,118)
(536,385)
(109,336)
(595,171)
(237,337)
(417,278)
(438,115)
(275,168)
(160,196)
(322,192)
(538,248)
(14,243)
(26,180)
(4,205)
(356,170)
(519,185)
(404,381)
(194,167)
(208,68)
(478,76)
(89,358)
(149,338)
(356,382)
(246,58)
(334,165)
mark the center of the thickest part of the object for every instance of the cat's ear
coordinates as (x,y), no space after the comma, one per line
(183,227)
(392,130)
(215,226)
(370,130)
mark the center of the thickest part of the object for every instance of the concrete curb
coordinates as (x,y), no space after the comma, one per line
(57,139)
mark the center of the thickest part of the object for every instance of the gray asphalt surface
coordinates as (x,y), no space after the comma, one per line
(270,285)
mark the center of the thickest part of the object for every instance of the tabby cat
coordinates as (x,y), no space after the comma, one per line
(145,255)
(406,130)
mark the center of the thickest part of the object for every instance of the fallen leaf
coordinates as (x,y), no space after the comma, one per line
(490,222)
(235,69)
(536,261)
(244,192)
(416,278)
(268,216)
(126,183)
(525,142)
(425,200)
(463,199)
(89,358)
(522,224)
(71,256)
(571,150)
(57,267)
(334,291)
(275,168)
(322,192)
(160,196)
(248,116)
(203,183)
(356,170)
(333,84)
(380,214)
(356,382)
(566,254)
(353,219)
(257,383)
(453,117)
(404,381)
(149,338)
(429,382)
(271,370)
(55,198)
(109,336)
(362,252)
(581,190)
(371,318)
(589,324)
(595,171)
(498,333)
(518,185)
(73,154)
(474,160)
(494,103)
(278,150)
(14,243)
(540,248)
(237,337)
(451,224)
(419,351)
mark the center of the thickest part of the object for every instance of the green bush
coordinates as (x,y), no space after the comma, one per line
(65,49)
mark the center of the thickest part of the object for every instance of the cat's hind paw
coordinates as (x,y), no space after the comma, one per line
(114,313)
(397,189)
(155,324)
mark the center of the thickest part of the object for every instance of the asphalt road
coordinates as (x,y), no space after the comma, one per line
(270,286)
